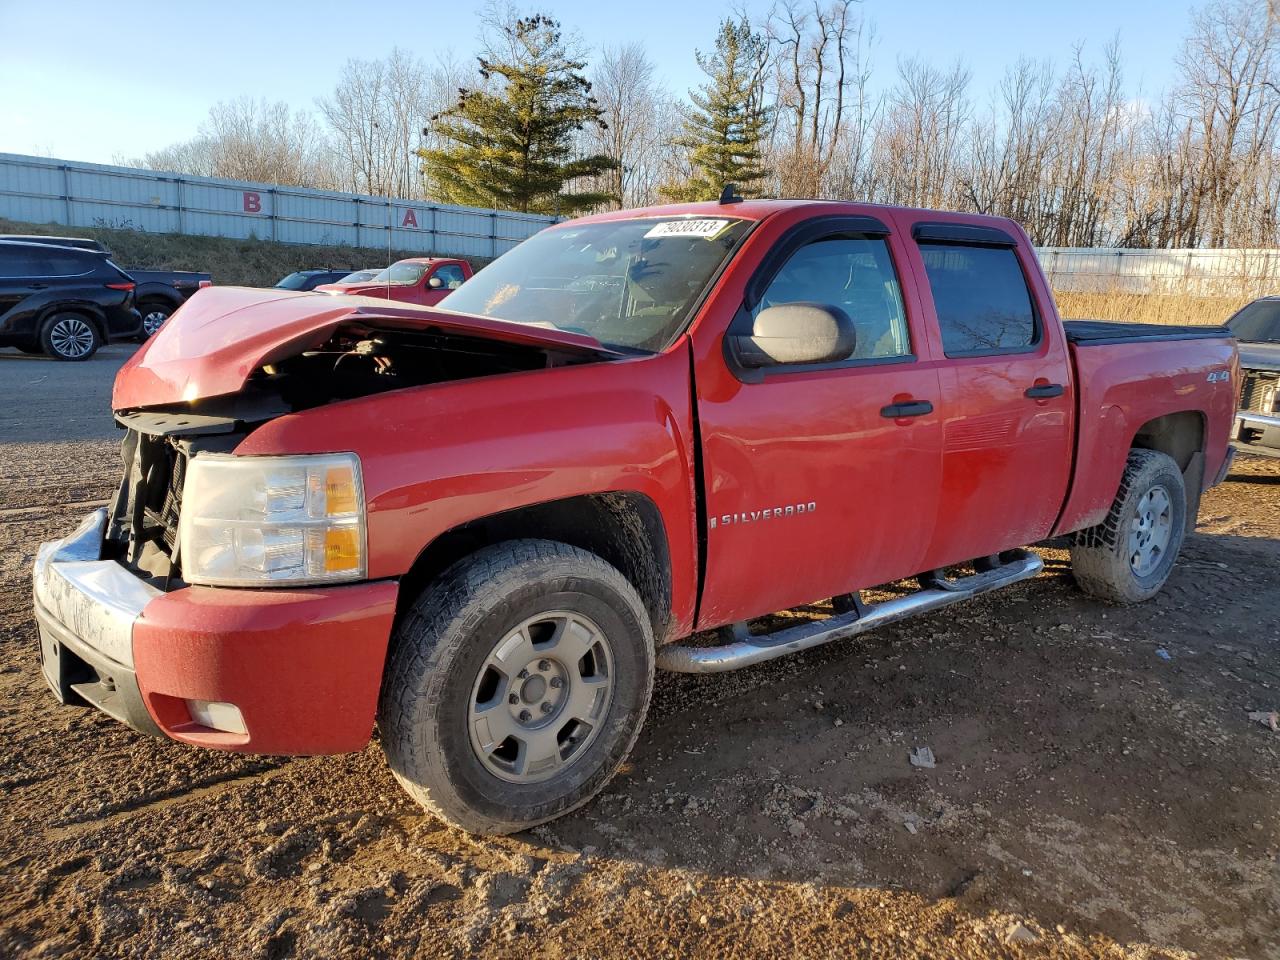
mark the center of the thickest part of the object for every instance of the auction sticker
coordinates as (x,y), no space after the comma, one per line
(706,229)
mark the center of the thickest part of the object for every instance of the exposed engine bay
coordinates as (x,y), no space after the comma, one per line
(357,360)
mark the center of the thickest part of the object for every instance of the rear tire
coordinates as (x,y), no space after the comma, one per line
(70,336)
(494,745)
(1128,557)
(154,316)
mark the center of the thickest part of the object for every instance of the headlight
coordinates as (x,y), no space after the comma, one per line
(272,521)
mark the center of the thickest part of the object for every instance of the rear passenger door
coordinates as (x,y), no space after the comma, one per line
(1007,404)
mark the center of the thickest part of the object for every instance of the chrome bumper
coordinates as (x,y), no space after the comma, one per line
(1267,425)
(1258,421)
(94,600)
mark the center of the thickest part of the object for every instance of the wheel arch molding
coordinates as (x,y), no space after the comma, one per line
(623,528)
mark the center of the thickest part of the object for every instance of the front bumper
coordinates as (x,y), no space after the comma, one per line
(302,666)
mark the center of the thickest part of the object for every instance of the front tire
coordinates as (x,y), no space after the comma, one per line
(518,684)
(70,336)
(1128,557)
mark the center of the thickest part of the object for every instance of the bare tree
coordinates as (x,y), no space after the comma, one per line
(377,113)
(632,135)
(919,136)
(250,139)
(819,82)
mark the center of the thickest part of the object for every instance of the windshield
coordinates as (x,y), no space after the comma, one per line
(359,276)
(627,283)
(1259,322)
(400,274)
(294,281)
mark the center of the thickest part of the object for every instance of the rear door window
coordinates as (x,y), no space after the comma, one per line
(68,265)
(981,298)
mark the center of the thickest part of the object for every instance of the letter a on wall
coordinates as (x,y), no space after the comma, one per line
(410,219)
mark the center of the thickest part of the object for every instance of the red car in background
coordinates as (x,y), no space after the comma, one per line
(423,280)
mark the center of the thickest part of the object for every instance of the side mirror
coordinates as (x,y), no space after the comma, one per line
(435,283)
(796,333)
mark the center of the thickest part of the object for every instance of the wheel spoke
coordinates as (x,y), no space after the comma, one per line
(572,640)
(492,724)
(513,652)
(539,752)
(586,698)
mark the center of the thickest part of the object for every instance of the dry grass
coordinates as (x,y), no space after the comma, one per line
(1149,307)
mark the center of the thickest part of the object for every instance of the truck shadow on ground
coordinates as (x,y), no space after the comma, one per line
(1092,761)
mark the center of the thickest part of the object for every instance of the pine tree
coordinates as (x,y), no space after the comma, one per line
(724,129)
(512,142)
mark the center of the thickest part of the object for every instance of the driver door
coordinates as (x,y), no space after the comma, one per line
(822,478)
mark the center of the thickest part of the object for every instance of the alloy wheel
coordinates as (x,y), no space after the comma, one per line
(1150,531)
(152,321)
(71,337)
(541,697)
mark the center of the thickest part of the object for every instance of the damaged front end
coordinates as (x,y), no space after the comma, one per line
(170,416)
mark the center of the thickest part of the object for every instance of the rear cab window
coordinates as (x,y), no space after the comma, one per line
(981,298)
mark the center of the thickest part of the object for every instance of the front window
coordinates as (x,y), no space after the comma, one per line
(294,281)
(627,283)
(856,275)
(1259,322)
(401,274)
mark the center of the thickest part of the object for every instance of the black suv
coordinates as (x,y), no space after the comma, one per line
(63,301)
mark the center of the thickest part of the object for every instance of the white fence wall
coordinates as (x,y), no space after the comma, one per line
(1205,273)
(42,190)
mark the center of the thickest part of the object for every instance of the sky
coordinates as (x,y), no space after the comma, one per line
(94,81)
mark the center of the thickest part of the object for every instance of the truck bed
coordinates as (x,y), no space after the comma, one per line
(1085,333)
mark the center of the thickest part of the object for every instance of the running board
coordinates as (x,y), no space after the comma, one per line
(747,650)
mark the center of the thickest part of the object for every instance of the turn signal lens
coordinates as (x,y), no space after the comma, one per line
(341,550)
(339,491)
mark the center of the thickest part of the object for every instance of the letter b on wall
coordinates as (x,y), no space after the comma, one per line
(252,202)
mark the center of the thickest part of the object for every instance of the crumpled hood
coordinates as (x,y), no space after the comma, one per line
(1260,356)
(219,337)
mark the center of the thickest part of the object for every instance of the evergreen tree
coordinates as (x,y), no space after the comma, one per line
(724,128)
(511,144)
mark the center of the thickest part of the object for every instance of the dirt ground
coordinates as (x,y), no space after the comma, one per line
(1099,788)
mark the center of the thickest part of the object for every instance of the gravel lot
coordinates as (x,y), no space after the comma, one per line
(1099,788)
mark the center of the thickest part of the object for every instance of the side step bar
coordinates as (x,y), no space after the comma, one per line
(747,650)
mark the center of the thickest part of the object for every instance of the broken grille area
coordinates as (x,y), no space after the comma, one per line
(142,527)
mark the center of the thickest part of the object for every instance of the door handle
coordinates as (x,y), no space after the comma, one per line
(39,286)
(912,408)
(1044,391)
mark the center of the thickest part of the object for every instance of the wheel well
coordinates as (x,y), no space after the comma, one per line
(623,529)
(1181,437)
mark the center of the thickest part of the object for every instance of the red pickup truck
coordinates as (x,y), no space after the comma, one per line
(423,280)
(484,525)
